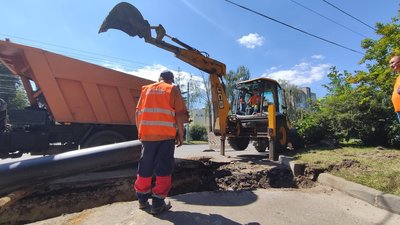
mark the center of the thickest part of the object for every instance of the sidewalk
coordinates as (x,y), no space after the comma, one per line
(318,205)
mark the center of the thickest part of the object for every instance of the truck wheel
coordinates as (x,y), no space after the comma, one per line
(103,138)
(238,143)
(261,145)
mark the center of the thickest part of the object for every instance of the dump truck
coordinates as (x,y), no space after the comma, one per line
(268,128)
(72,104)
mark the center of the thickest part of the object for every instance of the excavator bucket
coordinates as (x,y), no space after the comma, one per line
(127,18)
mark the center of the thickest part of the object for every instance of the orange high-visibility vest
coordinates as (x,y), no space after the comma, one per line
(396,96)
(155,114)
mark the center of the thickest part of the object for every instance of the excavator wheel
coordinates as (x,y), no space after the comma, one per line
(103,137)
(281,137)
(239,143)
(261,144)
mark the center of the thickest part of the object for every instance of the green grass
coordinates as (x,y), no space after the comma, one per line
(195,142)
(378,169)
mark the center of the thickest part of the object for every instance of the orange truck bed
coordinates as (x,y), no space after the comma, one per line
(74,91)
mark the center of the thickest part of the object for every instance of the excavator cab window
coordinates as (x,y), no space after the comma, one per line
(267,98)
(281,99)
(269,92)
(241,100)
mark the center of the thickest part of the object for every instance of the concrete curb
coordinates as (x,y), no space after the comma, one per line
(374,197)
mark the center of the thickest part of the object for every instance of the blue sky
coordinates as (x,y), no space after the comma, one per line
(226,32)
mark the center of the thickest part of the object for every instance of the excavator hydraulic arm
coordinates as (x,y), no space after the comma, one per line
(127,18)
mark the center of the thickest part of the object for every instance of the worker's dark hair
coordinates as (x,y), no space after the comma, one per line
(167,75)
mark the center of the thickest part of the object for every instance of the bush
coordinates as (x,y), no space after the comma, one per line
(311,130)
(198,133)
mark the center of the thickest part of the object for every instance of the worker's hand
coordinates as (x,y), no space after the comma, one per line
(179,140)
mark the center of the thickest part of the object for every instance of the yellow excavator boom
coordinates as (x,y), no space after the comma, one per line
(127,18)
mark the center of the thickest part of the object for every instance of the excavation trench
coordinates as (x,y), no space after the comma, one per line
(96,189)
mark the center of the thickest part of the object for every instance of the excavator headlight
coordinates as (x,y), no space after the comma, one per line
(232,118)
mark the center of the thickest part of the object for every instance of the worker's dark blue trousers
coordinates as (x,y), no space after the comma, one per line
(157,158)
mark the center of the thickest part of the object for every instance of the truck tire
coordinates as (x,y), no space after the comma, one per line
(103,137)
(239,143)
(261,144)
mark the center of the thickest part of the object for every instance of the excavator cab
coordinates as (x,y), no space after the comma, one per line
(253,97)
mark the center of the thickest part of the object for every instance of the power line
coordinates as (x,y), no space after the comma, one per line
(295,28)
(348,14)
(333,21)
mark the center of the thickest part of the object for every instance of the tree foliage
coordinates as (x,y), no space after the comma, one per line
(242,73)
(11,89)
(358,105)
(293,95)
(197,132)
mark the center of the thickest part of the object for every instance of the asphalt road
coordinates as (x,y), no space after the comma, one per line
(318,205)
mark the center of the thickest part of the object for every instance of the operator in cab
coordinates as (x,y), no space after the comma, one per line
(255,101)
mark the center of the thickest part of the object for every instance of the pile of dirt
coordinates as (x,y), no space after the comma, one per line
(248,176)
(345,164)
(311,172)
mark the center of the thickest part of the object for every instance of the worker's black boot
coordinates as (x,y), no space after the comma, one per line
(158,205)
(143,200)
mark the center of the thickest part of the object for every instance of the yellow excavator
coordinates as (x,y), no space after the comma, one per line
(259,126)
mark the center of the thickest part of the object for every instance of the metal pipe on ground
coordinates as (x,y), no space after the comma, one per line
(30,172)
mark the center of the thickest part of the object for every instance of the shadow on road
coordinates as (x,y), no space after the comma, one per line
(218,198)
(180,217)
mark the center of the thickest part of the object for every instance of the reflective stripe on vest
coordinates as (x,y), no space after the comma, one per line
(155,115)
(156,110)
(157,123)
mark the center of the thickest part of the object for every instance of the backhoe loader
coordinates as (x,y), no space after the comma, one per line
(258,126)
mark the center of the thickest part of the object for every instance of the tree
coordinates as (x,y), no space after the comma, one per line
(11,89)
(20,101)
(358,105)
(207,100)
(242,73)
(293,95)
(375,85)
(8,84)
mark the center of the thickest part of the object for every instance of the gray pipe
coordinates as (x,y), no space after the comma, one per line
(29,172)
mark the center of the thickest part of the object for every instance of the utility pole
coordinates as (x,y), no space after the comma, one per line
(188,107)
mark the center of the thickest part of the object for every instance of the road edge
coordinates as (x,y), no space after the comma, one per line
(372,196)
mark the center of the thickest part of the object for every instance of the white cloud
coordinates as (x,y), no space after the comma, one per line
(301,74)
(318,57)
(251,40)
(153,73)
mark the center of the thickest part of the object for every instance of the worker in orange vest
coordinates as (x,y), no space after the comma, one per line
(255,101)
(394,63)
(160,115)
